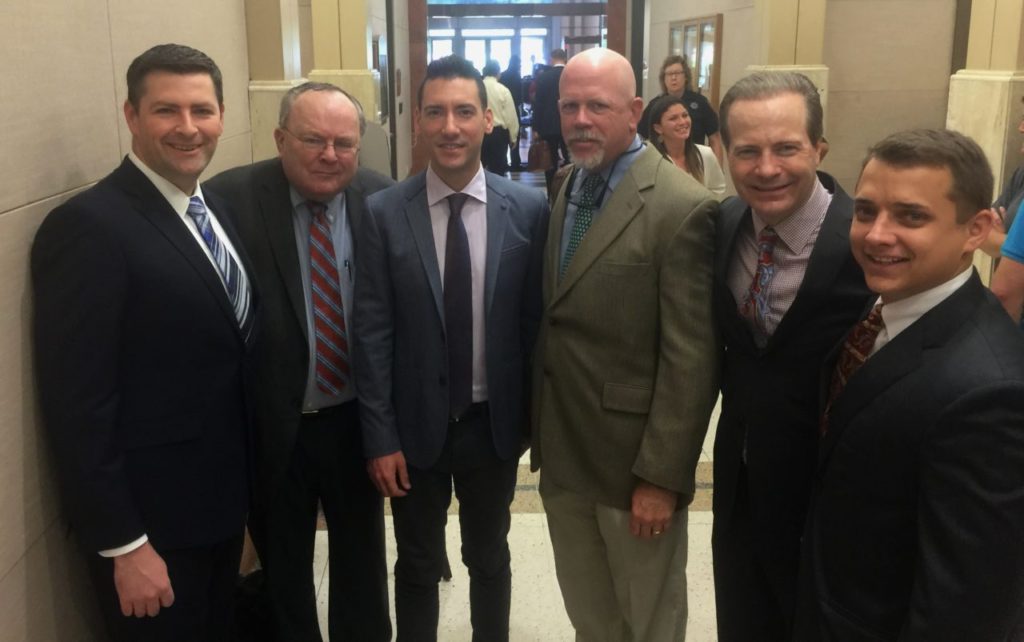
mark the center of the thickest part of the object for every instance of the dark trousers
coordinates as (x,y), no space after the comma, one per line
(327,465)
(203,581)
(755,589)
(494,152)
(484,486)
(556,145)
(517,159)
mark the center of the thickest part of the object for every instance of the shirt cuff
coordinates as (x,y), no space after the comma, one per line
(127,548)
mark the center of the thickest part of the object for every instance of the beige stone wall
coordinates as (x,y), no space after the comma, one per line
(62,75)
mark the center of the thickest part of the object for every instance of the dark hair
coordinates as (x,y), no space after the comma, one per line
(938,148)
(768,84)
(491,68)
(176,59)
(293,94)
(558,54)
(450,68)
(694,162)
(675,59)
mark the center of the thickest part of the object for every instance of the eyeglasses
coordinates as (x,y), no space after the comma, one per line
(673,74)
(316,144)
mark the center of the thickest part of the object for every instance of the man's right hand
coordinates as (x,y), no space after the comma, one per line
(389,474)
(142,583)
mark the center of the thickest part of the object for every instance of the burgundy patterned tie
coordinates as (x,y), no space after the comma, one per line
(332,367)
(856,349)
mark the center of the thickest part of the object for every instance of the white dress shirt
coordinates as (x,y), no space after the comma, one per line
(900,315)
(474,218)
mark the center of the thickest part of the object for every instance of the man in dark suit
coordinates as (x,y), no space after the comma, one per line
(512,79)
(447,307)
(627,363)
(917,518)
(546,122)
(786,289)
(309,446)
(143,313)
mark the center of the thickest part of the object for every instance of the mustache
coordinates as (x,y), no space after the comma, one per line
(584,136)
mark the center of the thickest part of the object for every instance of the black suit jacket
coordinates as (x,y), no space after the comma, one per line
(770,395)
(261,202)
(917,522)
(140,365)
(400,352)
(546,120)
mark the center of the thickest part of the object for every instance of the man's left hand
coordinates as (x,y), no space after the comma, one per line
(652,511)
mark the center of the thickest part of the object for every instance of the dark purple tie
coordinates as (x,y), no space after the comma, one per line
(458,310)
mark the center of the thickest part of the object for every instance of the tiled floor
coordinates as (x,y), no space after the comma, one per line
(537,609)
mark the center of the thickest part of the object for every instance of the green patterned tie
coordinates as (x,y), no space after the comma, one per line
(584,216)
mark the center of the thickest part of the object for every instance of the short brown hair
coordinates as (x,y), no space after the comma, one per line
(942,148)
(767,84)
(675,59)
(176,59)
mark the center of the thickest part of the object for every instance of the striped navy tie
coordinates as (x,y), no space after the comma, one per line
(230,273)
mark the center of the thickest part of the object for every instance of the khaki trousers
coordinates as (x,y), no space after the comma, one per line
(616,587)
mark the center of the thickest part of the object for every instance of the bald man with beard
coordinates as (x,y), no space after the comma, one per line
(626,366)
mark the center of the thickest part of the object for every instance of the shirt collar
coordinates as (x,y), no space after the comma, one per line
(617,169)
(438,190)
(900,315)
(334,205)
(177,199)
(796,229)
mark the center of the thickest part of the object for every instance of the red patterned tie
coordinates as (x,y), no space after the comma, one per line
(332,367)
(856,349)
(755,304)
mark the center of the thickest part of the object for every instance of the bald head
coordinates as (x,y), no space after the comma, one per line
(599,107)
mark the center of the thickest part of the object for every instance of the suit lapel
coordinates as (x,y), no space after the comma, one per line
(275,205)
(354,206)
(151,205)
(734,214)
(497,222)
(625,203)
(417,213)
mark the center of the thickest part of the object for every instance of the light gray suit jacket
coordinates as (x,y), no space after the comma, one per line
(626,372)
(398,319)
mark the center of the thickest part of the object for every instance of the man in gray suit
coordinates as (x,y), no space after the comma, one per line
(447,307)
(297,216)
(625,374)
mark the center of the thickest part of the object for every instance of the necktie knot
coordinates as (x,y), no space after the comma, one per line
(455,203)
(196,207)
(767,237)
(856,349)
(318,210)
(588,191)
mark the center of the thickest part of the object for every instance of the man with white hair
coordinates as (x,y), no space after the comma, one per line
(626,365)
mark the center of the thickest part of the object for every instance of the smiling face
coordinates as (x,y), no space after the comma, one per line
(675,124)
(771,158)
(327,117)
(176,126)
(905,233)
(452,123)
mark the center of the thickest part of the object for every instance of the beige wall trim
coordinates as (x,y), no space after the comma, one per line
(364,84)
(264,106)
(792,31)
(995,40)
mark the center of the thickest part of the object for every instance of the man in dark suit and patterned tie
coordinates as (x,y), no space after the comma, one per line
(144,310)
(786,290)
(447,307)
(298,216)
(916,522)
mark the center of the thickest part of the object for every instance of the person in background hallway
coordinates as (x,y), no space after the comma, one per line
(786,290)
(1006,207)
(917,517)
(625,373)
(144,313)
(513,80)
(298,215)
(546,122)
(677,80)
(447,307)
(670,133)
(1008,246)
(504,124)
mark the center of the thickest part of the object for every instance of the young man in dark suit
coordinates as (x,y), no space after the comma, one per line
(308,442)
(546,122)
(447,307)
(144,311)
(786,289)
(917,518)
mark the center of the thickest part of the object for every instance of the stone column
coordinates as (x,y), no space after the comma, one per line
(342,49)
(272,28)
(985,98)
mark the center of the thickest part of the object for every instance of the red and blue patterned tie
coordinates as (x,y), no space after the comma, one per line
(755,304)
(332,366)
